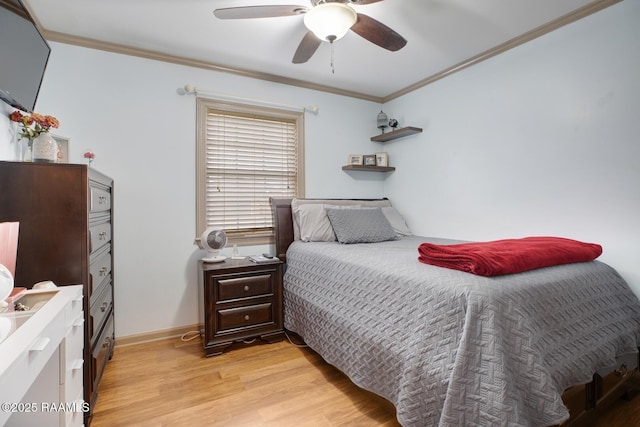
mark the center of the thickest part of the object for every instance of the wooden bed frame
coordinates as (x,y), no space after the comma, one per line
(583,401)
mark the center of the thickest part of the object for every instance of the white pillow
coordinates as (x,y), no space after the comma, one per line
(314,224)
(397,221)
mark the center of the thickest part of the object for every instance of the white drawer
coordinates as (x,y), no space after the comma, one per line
(74,418)
(16,381)
(71,358)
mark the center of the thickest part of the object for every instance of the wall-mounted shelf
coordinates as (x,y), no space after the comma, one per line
(398,133)
(368,168)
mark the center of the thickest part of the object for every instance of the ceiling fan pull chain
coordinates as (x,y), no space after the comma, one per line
(333,70)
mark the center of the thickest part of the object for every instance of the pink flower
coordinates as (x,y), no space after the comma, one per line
(89,155)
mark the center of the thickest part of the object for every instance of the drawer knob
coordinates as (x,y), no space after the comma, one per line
(103,271)
(623,371)
(246,288)
(102,235)
(246,317)
(104,306)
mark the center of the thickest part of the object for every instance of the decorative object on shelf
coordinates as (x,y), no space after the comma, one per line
(383,121)
(393,124)
(45,148)
(355,159)
(369,159)
(31,127)
(90,156)
(382,159)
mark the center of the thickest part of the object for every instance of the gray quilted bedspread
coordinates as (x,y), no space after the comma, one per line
(452,349)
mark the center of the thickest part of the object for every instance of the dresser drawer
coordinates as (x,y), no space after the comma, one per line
(244,287)
(99,235)
(101,353)
(243,317)
(99,273)
(100,200)
(100,309)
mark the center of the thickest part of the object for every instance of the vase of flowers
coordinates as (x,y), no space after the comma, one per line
(45,148)
(32,127)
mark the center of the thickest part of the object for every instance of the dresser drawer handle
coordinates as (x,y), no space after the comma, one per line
(107,342)
(77,364)
(623,371)
(246,288)
(103,271)
(102,235)
(102,200)
(246,317)
(40,344)
(104,306)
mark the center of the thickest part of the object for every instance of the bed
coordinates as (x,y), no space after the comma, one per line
(451,348)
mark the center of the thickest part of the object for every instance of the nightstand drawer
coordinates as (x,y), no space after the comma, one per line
(243,287)
(242,317)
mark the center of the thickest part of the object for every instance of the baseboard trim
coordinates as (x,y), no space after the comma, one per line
(156,335)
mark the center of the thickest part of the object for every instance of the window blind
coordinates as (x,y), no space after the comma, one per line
(249,158)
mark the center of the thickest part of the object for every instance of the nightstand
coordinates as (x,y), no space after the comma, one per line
(240,300)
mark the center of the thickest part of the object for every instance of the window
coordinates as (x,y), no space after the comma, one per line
(245,155)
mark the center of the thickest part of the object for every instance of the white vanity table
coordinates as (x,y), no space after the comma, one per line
(41,360)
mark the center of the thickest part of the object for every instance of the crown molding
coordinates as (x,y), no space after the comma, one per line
(158,56)
(553,25)
(550,26)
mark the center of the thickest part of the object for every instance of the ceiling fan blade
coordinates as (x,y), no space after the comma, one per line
(306,48)
(364,1)
(249,12)
(378,33)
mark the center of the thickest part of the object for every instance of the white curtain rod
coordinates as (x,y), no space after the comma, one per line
(192,90)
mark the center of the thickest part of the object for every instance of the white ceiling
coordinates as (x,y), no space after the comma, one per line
(442,36)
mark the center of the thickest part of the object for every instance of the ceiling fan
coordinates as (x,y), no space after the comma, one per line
(326,20)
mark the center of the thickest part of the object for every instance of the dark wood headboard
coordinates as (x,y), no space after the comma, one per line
(283,223)
(283,226)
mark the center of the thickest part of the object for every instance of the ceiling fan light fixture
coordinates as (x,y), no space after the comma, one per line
(330,21)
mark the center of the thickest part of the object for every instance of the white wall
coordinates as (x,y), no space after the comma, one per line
(541,140)
(128,111)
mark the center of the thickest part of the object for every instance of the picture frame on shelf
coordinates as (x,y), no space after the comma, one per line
(382,159)
(369,159)
(63,148)
(355,159)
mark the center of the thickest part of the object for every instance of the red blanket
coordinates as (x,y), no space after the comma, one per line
(508,256)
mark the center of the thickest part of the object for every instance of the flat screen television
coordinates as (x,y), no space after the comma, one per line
(24,54)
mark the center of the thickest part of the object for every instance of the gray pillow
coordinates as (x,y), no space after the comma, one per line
(360,225)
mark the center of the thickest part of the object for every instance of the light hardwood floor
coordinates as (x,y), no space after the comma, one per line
(171,383)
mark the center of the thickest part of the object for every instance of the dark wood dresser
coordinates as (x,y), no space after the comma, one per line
(240,300)
(65,213)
